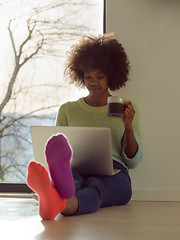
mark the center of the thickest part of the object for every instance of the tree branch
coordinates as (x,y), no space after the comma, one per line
(17,60)
(10,88)
(12,42)
(25,116)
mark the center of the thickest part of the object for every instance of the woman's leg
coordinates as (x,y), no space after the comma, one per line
(52,197)
(50,202)
(107,191)
(72,206)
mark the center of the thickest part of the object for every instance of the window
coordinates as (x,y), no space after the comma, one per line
(35,38)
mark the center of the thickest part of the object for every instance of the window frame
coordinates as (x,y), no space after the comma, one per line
(23,187)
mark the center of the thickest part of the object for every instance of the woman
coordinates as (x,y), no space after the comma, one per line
(98,64)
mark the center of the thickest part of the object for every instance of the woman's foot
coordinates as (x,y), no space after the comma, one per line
(58,155)
(50,202)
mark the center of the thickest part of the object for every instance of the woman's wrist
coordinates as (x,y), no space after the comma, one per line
(129,129)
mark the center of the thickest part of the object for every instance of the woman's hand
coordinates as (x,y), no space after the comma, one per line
(129,113)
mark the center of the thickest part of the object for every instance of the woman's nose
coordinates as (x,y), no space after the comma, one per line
(94,81)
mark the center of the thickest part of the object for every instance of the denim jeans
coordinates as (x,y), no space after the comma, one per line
(102,191)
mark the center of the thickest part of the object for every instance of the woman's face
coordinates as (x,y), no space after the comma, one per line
(96,82)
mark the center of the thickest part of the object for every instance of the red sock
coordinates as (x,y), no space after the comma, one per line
(50,202)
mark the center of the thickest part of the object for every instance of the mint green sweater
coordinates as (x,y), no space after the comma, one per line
(78,113)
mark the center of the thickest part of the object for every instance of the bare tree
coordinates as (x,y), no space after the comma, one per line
(49,26)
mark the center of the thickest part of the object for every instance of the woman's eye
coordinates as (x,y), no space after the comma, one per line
(89,77)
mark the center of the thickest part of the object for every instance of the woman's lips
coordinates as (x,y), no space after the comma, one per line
(94,88)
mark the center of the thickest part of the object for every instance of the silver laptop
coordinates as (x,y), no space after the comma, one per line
(92,147)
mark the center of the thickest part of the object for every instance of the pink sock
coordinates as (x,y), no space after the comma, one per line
(58,154)
(50,202)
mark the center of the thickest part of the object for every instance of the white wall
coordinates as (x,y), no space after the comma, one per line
(150,32)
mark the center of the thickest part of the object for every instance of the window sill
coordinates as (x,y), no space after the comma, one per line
(14,188)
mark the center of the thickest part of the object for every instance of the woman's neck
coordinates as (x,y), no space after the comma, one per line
(95,101)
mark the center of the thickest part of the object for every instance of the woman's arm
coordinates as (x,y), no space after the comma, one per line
(131,145)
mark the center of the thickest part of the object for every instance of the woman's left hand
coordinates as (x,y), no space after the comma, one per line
(129,113)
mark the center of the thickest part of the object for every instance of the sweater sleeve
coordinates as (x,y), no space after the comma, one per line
(132,162)
(62,116)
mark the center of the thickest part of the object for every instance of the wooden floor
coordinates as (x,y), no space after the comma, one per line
(19,219)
